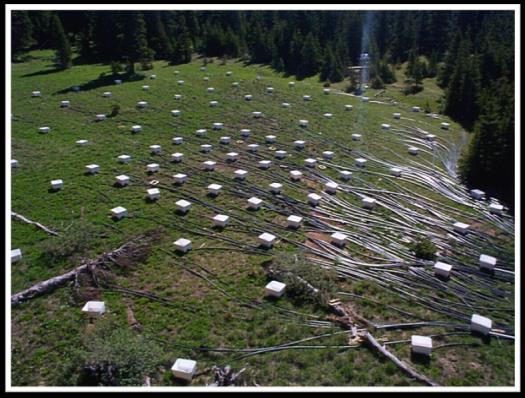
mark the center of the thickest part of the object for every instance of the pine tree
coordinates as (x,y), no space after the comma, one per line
(310,58)
(432,69)
(21,33)
(61,43)
(135,45)
(157,37)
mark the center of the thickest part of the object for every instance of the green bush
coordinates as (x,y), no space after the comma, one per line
(76,240)
(424,249)
(297,272)
(115,109)
(412,89)
(377,83)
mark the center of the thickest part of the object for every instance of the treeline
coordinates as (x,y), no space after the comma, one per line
(470,52)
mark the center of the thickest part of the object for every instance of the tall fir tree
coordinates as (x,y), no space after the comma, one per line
(134,42)
(60,43)
(21,33)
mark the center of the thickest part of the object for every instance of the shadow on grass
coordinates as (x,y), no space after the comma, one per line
(43,72)
(103,81)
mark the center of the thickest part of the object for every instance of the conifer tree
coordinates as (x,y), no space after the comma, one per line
(61,43)
(135,45)
(21,33)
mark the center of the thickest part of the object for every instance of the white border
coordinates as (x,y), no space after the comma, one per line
(513,7)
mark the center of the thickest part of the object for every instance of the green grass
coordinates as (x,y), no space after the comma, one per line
(46,330)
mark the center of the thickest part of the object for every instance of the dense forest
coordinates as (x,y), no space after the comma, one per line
(470,52)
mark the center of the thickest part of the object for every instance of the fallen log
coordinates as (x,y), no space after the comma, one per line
(400,364)
(53,283)
(36,224)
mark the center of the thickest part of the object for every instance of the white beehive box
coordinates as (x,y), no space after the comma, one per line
(275,187)
(327,115)
(220,220)
(136,128)
(266,240)
(214,189)
(203,69)
(416,109)
(307,97)
(294,221)
(153,193)
(240,174)
(326,91)
(211,90)
(182,245)
(44,130)
(460,227)
(213,104)
(153,77)
(201,133)
(360,162)
(183,206)
(338,239)
(94,308)
(232,156)
(310,162)
(348,107)
(57,184)
(368,203)
(477,194)
(303,123)
(480,324)
(291,84)
(152,167)
(145,88)
(269,90)
(36,94)
(385,126)
(270,139)
(245,132)
(119,212)
(331,187)
(64,104)
(257,114)
(397,115)
(280,154)
(495,208)
(122,180)
(356,137)
(365,99)
(299,144)
(209,165)
(14,163)
(176,72)
(106,94)
(430,137)
(180,82)
(328,154)
(16,255)
(248,97)
(225,140)
(345,175)
(254,203)
(442,269)
(421,345)
(314,199)
(92,168)
(76,89)
(180,178)
(412,150)
(253,147)
(206,148)
(177,97)
(142,104)
(445,126)
(275,289)
(100,117)
(285,105)
(177,157)
(218,126)
(124,158)
(229,73)
(395,171)
(175,112)
(295,175)
(235,84)
(487,262)
(155,148)
(265,164)
(117,81)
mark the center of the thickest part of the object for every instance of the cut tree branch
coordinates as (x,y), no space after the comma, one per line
(36,224)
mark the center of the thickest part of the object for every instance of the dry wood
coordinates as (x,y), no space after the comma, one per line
(400,364)
(36,224)
(53,283)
